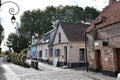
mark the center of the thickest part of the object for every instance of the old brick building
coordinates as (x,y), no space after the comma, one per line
(104,41)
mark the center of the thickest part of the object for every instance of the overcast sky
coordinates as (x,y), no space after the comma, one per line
(24,5)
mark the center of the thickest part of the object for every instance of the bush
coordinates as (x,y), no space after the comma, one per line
(24,51)
(2,54)
(18,58)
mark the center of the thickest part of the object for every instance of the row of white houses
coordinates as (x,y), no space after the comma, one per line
(65,42)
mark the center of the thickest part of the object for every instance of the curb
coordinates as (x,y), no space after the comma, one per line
(90,76)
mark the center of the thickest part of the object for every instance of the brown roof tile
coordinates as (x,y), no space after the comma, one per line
(74,31)
(111,14)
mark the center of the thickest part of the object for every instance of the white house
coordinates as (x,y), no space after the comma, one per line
(42,47)
(68,44)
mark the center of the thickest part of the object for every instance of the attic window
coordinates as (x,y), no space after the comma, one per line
(100,20)
(59,37)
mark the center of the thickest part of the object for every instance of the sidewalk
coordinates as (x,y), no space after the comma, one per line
(9,73)
(16,72)
(48,66)
(98,76)
(95,75)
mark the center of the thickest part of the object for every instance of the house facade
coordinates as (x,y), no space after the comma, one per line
(33,47)
(103,41)
(43,48)
(68,44)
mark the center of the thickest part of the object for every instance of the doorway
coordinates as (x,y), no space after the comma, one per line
(98,60)
(65,52)
(118,58)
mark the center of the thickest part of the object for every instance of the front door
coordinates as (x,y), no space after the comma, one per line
(118,58)
(65,52)
(98,60)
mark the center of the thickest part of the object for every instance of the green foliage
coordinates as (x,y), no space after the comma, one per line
(17,42)
(41,21)
(90,13)
(1,34)
(18,58)
(2,54)
(24,51)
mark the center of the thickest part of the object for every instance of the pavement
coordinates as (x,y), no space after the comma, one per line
(2,71)
(48,72)
(95,75)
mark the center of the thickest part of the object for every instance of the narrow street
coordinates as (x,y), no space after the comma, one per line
(2,71)
(12,71)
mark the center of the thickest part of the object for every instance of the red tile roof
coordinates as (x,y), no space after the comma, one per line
(111,14)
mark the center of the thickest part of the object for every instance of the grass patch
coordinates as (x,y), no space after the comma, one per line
(2,54)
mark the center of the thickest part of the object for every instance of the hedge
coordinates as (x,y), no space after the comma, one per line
(18,58)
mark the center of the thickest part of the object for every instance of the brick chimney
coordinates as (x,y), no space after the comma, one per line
(112,1)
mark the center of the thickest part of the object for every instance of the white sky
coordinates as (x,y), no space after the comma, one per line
(35,4)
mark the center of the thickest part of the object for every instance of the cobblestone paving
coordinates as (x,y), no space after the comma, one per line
(9,71)
(48,74)
(2,76)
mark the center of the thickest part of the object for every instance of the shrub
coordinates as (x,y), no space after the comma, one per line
(24,51)
(18,58)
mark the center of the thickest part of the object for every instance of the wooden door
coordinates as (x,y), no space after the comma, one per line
(65,53)
(118,58)
(98,60)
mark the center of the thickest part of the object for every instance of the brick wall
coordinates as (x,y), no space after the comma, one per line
(111,34)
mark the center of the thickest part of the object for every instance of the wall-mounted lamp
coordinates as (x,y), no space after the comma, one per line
(13,19)
(11,10)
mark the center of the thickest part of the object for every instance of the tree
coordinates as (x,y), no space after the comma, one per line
(90,13)
(17,42)
(41,21)
(69,13)
(1,34)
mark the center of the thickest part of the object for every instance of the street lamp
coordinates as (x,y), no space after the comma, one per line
(11,10)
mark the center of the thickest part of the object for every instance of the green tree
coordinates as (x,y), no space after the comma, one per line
(17,42)
(41,21)
(90,13)
(69,13)
(1,34)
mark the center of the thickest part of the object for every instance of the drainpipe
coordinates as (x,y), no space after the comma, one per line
(86,50)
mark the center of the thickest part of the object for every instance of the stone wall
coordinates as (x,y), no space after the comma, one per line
(111,35)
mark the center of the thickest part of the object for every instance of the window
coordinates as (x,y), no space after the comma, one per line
(45,52)
(82,54)
(57,52)
(59,37)
(51,52)
(40,53)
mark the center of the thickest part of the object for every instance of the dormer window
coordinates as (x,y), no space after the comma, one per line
(59,37)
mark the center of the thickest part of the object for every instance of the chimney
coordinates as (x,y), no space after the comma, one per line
(86,19)
(111,1)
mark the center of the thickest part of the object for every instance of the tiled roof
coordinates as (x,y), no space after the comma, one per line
(74,31)
(111,15)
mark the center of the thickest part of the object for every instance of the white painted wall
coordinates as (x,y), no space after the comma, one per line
(73,51)
(63,36)
(43,47)
(72,47)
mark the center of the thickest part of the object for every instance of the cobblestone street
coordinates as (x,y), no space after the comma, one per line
(48,72)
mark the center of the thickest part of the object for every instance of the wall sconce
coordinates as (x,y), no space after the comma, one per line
(11,10)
